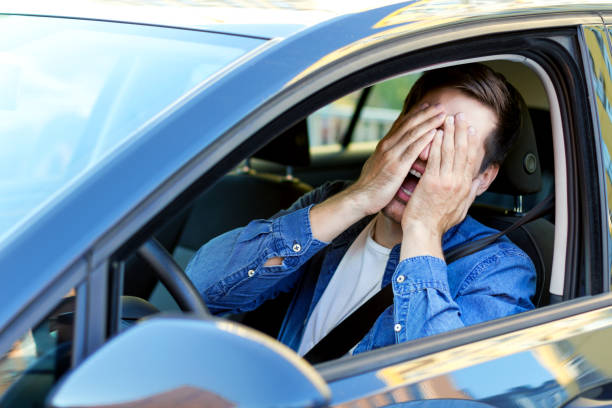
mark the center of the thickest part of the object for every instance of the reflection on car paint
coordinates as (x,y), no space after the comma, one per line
(423,16)
(420,10)
(601,74)
(545,365)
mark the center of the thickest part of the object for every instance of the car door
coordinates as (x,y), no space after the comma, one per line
(547,356)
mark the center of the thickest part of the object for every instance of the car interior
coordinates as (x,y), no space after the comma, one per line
(294,163)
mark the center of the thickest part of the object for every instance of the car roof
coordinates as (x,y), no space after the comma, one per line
(266,19)
(273,19)
(36,256)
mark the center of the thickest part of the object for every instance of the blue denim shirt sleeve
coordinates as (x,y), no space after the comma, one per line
(423,304)
(229,270)
(500,283)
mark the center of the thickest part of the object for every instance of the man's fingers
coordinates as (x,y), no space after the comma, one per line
(413,126)
(418,131)
(448,146)
(433,162)
(472,153)
(401,119)
(412,150)
(461,144)
(424,116)
(416,108)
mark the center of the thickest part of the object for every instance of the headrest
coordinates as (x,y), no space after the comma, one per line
(291,148)
(521,173)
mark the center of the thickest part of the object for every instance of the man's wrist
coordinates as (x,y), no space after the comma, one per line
(356,202)
(334,215)
(420,239)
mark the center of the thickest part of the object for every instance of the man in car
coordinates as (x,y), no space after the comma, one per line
(340,244)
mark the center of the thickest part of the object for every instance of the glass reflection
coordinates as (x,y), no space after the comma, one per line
(72,91)
(599,55)
(545,365)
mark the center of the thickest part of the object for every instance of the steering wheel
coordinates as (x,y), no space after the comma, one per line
(173,277)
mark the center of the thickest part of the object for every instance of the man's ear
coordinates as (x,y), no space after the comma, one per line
(486,178)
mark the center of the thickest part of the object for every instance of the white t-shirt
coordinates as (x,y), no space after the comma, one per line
(357,278)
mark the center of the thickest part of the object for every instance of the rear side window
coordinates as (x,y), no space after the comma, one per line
(328,126)
(38,359)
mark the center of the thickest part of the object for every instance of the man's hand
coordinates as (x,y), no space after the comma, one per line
(384,171)
(444,193)
(382,174)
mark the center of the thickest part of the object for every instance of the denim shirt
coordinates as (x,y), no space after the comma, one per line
(430,297)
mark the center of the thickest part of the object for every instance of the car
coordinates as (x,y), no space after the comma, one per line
(136,132)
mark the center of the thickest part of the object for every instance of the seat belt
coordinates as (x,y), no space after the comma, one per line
(351,330)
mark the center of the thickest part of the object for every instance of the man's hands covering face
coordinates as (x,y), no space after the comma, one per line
(445,192)
(384,172)
(440,199)
(381,176)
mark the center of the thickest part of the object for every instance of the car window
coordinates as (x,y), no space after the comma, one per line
(328,126)
(74,90)
(39,358)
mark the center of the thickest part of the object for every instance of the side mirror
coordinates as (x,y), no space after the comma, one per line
(186,362)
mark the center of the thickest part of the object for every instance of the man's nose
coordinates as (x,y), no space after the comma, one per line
(424,155)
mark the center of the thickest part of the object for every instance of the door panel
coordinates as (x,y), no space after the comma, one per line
(545,365)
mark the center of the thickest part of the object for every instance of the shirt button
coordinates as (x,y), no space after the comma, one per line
(400,279)
(297,247)
(397,327)
(251,272)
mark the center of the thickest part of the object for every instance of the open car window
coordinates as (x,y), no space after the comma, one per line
(273,178)
(372,109)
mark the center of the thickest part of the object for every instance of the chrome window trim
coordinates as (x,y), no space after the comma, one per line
(606,16)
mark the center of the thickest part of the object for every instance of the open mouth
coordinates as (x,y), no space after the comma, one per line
(409,184)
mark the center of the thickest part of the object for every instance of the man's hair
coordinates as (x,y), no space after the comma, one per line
(488,87)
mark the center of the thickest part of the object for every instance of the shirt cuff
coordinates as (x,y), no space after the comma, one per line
(418,273)
(295,234)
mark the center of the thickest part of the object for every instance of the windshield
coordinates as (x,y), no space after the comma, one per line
(74,90)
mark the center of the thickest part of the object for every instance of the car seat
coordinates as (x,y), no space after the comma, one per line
(246,195)
(523,182)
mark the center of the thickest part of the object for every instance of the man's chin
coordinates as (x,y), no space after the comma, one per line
(394,210)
